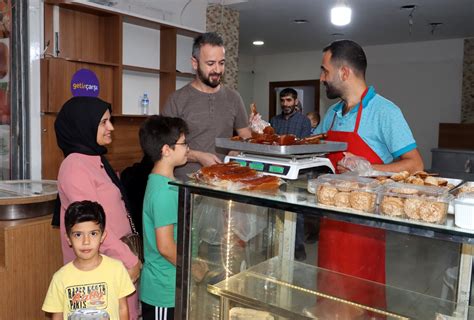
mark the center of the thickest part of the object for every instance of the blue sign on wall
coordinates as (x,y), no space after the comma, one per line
(84,83)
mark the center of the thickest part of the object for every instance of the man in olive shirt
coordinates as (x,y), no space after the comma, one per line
(210,109)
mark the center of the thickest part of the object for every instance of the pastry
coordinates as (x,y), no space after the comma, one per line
(466,189)
(415,180)
(387,180)
(449,186)
(347,186)
(364,201)
(400,176)
(326,195)
(392,206)
(404,190)
(412,208)
(431,181)
(421,174)
(433,211)
(342,200)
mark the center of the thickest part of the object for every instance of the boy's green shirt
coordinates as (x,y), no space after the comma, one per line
(160,208)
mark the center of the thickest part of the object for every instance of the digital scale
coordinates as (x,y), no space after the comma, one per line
(287,162)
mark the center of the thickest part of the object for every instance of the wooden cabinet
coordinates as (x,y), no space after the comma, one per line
(30,253)
(129,55)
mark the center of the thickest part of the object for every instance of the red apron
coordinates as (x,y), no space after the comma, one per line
(348,248)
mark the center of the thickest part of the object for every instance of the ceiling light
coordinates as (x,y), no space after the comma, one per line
(258,43)
(300,21)
(341,15)
(434,26)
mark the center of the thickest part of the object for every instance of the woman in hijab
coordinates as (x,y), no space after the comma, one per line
(83,129)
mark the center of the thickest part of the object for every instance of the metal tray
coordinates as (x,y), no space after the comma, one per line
(321,148)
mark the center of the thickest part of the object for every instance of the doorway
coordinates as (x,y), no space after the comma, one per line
(308,95)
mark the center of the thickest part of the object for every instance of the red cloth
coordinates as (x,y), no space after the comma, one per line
(352,249)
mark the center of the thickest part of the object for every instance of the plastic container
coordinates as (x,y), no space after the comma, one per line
(464,210)
(144,104)
(346,191)
(414,202)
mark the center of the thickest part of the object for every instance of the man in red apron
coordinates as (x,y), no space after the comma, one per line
(374,128)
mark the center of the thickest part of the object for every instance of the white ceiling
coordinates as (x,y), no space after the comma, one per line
(373,22)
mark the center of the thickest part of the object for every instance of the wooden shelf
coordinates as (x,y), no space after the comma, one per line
(115,115)
(98,38)
(141,69)
(88,61)
(185,75)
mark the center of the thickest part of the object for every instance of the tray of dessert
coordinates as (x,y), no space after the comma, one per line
(276,149)
(232,176)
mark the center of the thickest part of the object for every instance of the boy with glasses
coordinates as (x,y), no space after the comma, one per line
(163,140)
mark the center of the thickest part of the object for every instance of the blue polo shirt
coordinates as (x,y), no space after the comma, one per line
(382,125)
(297,124)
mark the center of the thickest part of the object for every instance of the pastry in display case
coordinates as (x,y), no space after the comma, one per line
(346,191)
(235,258)
(416,202)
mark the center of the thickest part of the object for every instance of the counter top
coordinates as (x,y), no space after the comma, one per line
(293,197)
(24,199)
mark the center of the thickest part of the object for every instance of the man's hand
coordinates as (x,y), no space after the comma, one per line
(340,168)
(204,158)
(134,272)
(351,162)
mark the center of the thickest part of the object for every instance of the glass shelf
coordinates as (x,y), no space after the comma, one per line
(295,198)
(290,289)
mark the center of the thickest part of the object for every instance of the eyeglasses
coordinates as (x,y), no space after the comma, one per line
(182,143)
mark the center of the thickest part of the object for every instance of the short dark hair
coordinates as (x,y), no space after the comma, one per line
(84,211)
(211,38)
(350,52)
(289,92)
(158,131)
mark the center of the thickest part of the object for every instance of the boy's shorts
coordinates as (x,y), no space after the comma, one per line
(150,312)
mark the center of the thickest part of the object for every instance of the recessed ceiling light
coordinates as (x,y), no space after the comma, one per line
(258,43)
(408,7)
(300,21)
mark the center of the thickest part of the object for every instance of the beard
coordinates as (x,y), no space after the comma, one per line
(207,80)
(288,110)
(331,91)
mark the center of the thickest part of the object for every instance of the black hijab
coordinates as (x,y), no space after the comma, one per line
(76,132)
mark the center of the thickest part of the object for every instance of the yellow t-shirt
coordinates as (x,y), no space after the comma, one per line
(75,291)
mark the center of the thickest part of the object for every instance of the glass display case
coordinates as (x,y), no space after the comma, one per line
(235,260)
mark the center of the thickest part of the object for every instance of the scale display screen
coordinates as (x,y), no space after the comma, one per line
(276,169)
(257,166)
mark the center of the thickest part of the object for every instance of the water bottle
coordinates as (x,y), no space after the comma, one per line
(144,103)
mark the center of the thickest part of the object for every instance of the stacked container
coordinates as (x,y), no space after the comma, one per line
(346,191)
(421,203)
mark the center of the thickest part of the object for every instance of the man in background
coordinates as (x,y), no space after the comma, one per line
(292,121)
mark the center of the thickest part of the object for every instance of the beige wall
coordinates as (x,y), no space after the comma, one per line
(225,21)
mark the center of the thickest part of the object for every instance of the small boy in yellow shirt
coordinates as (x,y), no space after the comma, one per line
(92,283)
